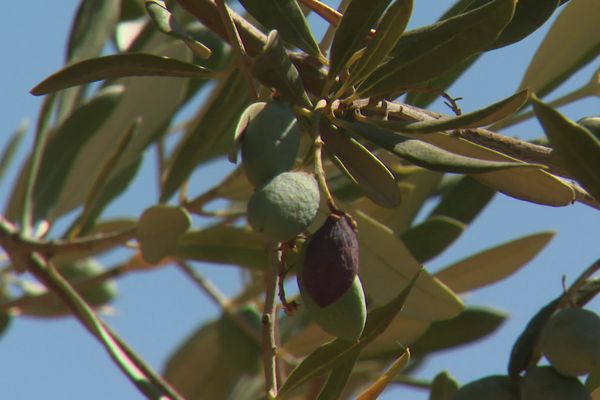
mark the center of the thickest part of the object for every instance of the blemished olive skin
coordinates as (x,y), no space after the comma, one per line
(241,350)
(270,143)
(571,341)
(496,387)
(285,207)
(544,383)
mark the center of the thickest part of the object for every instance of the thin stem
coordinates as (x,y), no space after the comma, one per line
(205,285)
(238,47)
(269,320)
(321,178)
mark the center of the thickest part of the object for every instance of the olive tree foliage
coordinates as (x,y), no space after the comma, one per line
(369,154)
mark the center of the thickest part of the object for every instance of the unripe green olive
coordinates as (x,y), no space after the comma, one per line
(496,387)
(270,143)
(544,383)
(285,207)
(241,350)
(592,124)
(571,341)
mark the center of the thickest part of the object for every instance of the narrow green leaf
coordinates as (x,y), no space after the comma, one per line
(223,245)
(464,201)
(389,30)
(529,16)
(197,368)
(65,144)
(387,264)
(337,352)
(273,68)
(11,148)
(93,25)
(443,387)
(494,264)
(337,379)
(424,154)
(211,134)
(472,324)
(159,230)
(475,119)
(427,52)
(166,23)
(286,17)
(575,33)
(118,66)
(384,380)
(351,34)
(431,237)
(372,175)
(576,147)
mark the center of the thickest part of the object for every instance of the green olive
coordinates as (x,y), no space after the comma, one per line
(544,383)
(496,387)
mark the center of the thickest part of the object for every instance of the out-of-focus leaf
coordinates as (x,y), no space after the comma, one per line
(475,119)
(387,264)
(443,387)
(287,18)
(529,16)
(576,147)
(166,23)
(131,9)
(431,237)
(377,387)
(5,320)
(402,331)
(372,175)
(92,26)
(212,132)
(389,30)
(525,348)
(351,34)
(575,33)
(8,153)
(153,101)
(424,154)
(464,201)
(529,184)
(223,245)
(338,351)
(118,66)
(493,265)
(427,52)
(337,379)
(66,143)
(592,382)
(197,368)
(273,68)
(470,325)
(159,230)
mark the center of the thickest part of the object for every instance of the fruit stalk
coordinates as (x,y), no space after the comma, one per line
(269,344)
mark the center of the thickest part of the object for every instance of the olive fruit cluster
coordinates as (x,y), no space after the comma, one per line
(571,341)
(328,279)
(285,203)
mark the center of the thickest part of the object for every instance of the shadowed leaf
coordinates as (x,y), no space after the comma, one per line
(431,237)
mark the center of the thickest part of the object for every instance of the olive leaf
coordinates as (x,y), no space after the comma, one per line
(432,236)
(443,387)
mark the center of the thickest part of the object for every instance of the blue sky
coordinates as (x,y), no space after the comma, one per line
(158,309)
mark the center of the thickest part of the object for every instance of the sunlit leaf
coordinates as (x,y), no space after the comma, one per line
(273,68)
(575,33)
(223,245)
(576,147)
(372,175)
(286,17)
(424,53)
(387,264)
(494,264)
(118,66)
(472,324)
(431,237)
(377,387)
(159,230)
(351,34)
